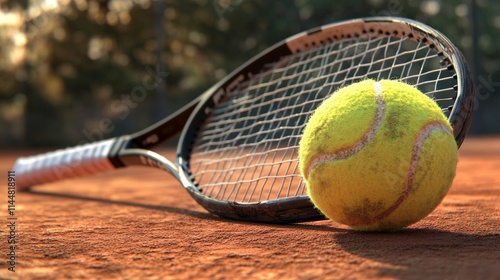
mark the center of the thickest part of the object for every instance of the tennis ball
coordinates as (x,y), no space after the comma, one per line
(377,155)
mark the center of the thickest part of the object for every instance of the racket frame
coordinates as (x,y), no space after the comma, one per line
(300,208)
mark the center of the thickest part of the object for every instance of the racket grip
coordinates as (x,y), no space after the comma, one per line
(63,164)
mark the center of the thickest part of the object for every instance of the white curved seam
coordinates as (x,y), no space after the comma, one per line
(417,148)
(362,142)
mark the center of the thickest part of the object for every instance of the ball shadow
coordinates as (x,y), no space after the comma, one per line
(415,253)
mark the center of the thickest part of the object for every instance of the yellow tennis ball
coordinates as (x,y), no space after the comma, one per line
(378,155)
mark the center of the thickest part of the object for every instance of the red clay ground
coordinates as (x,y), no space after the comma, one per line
(139,223)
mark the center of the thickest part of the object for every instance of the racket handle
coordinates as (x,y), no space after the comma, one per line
(63,164)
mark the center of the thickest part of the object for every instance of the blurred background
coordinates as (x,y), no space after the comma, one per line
(76,71)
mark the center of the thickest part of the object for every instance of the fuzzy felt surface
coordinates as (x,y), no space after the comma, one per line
(378,155)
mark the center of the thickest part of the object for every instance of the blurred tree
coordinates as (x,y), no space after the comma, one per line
(81,70)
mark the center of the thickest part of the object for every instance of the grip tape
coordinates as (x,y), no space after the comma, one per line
(63,164)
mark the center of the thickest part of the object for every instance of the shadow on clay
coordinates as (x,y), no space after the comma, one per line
(171,209)
(417,251)
(192,213)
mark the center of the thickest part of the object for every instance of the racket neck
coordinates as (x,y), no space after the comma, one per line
(121,143)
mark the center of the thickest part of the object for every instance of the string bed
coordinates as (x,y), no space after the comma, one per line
(246,150)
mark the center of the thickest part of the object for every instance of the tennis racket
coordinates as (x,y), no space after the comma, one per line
(237,154)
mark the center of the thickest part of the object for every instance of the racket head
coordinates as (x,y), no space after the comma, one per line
(237,154)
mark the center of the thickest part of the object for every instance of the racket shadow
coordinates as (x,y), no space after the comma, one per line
(314,226)
(170,209)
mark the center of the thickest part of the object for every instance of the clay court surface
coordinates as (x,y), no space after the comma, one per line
(139,223)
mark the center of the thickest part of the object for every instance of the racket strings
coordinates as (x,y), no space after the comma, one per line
(246,151)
